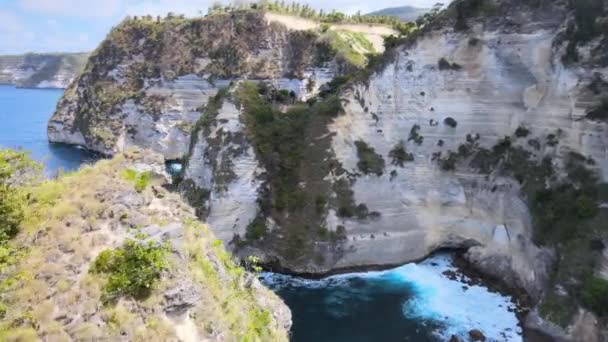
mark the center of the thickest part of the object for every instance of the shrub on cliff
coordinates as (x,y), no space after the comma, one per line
(369,160)
(522,132)
(450,122)
(132,269)
(139,179)
(595,295)
(415,135)
(600,112)
(400,155)
(14,169)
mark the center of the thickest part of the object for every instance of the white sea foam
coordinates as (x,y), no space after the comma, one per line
(459,308)
(456,306)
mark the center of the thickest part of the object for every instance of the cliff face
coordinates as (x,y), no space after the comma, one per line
(483,131)
(59,281)
(41,70)
(148,81)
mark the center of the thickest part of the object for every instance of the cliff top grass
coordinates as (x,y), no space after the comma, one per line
(89,262)
(307,12)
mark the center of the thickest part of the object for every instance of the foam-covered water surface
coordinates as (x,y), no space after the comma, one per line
(413,302)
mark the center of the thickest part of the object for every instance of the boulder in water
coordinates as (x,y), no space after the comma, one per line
(476,335)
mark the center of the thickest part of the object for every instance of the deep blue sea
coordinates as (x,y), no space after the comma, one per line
(24,114)
(415,302)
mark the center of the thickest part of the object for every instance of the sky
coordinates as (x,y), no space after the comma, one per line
(80,25)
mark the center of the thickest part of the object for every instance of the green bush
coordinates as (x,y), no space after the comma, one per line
(132,269)
(139,179)
(449,163)
(443,64)
(522,132)
(346,211)
(594,295)
(585,27)
(600,112)
(585,207)
(14,167)
(450,122)
(369,160)
(415,136)
(256,229)
(400,155)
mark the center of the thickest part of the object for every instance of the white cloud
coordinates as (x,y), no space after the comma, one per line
(73,8)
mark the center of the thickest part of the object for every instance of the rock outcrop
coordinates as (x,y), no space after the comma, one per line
(52,291)
(41,70)
(148,81)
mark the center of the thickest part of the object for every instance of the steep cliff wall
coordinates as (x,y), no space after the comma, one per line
(484,131)
(147,82)
(41,70)
(107,253)
(452,143)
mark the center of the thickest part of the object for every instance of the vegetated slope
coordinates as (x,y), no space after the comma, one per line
(106,253)
(145,82)
(405,13)
(51,70)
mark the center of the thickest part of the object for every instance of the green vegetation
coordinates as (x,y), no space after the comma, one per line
(565,211)
(600,112)
(369,160)
(450,122)
(132,269)
(286,142)
(351,46)
(522,132)
(415,136)
(465,9)
(305,11)
(233,307)
(209,113)
(139,179)
(400,155)
(595,295)
(14,167)
(585,27)
(67,220)
(278,138)
(17,172)
(558,308)
(552,140)
(443,64)
(256,229)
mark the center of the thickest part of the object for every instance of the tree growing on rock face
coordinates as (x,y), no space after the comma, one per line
(450,122)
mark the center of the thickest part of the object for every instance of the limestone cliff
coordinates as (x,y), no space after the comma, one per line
(59,283)
(41,70)
(146,83)
(485,131)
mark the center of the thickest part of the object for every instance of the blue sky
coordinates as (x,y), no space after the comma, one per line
(79,25)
